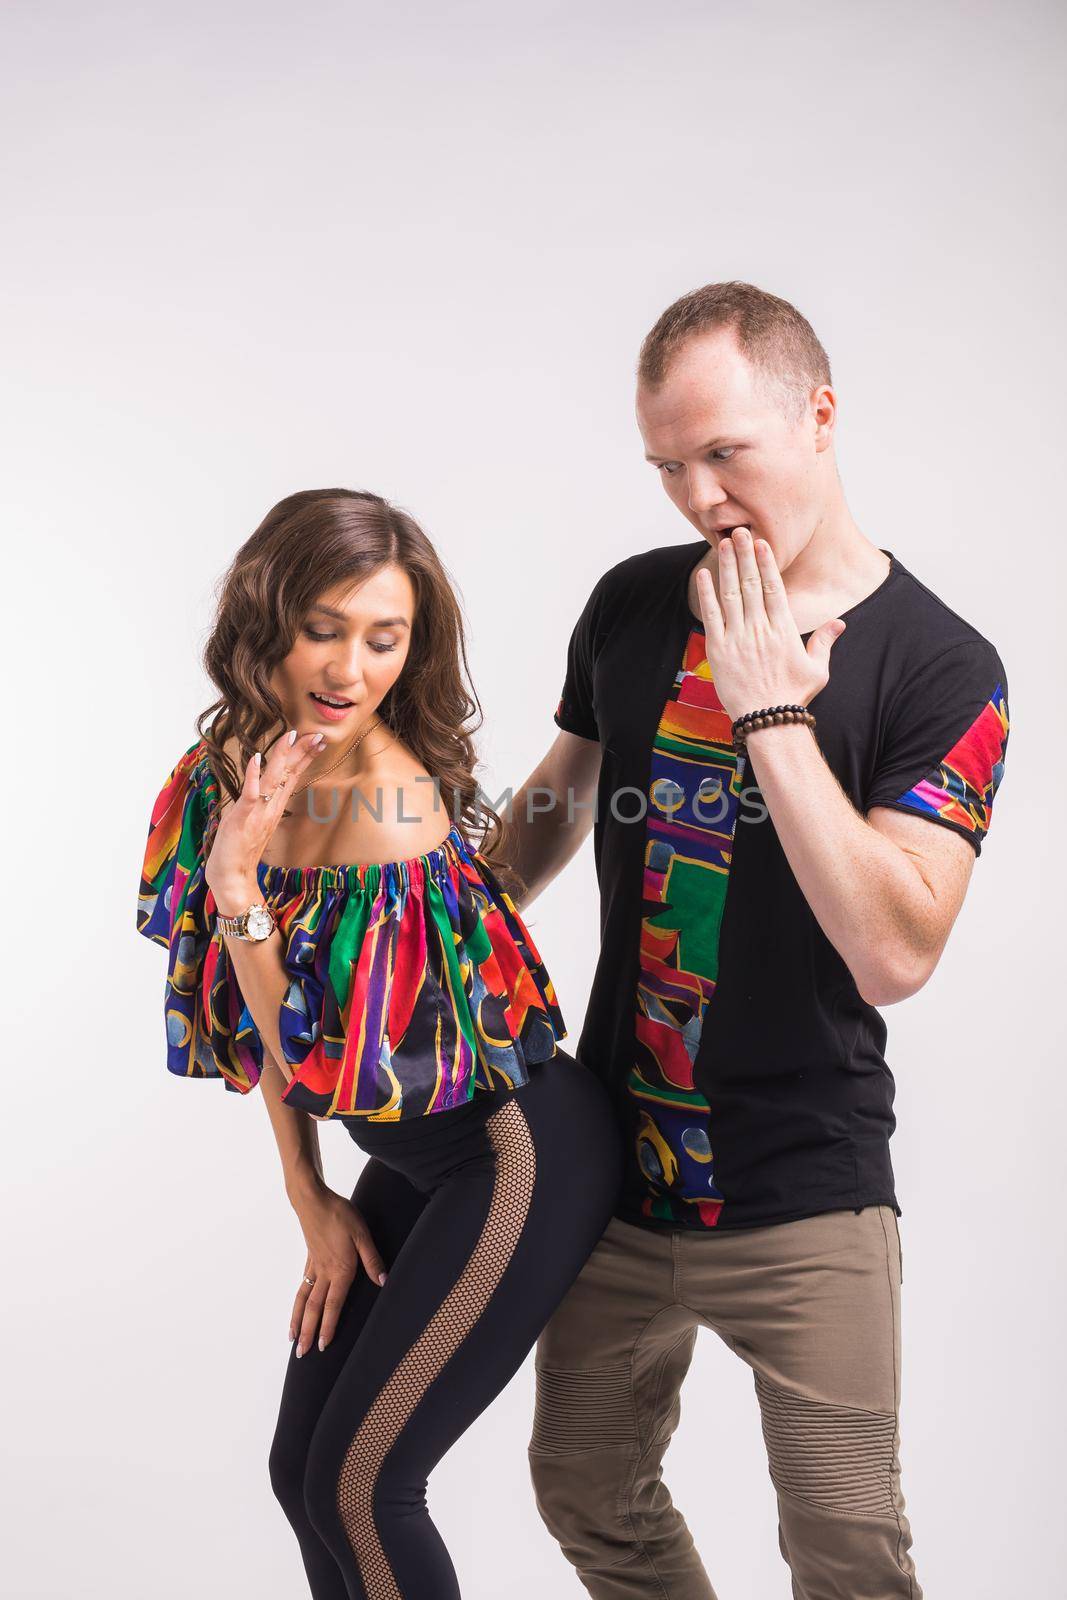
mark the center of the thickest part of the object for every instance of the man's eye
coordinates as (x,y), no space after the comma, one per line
(670,467)
(724,452)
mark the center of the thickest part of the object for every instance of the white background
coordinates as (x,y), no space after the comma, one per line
(415,249)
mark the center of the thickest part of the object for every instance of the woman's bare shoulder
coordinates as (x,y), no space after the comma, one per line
(396,810)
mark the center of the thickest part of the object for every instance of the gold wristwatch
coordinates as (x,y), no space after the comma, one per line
(253,925)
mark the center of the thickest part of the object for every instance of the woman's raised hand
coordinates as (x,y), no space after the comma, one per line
(338,1240)
(247,826)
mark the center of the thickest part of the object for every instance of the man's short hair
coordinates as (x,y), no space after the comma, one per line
(779,342)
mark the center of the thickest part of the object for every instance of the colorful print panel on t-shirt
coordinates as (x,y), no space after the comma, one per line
(693,796)
(961,787)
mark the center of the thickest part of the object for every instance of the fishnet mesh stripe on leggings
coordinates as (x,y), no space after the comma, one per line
(516,1164)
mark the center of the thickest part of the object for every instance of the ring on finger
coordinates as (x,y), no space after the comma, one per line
(310,1281)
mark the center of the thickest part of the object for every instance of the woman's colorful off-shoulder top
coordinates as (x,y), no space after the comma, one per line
(412,984)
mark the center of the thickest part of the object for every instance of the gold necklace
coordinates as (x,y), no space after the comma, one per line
(358,740)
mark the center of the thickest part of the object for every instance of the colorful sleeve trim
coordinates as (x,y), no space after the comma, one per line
(961,788)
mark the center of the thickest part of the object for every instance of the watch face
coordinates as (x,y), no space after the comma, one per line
(260,922)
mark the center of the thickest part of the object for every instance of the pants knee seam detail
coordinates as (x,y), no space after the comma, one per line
(806,1399)
(837,1511)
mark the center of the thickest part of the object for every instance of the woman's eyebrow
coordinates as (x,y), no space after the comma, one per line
(383,622)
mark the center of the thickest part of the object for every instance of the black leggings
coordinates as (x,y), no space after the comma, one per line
(484,1216)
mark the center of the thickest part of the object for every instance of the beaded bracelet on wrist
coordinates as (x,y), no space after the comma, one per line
(769,717)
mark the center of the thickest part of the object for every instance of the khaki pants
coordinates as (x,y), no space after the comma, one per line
(813,1307)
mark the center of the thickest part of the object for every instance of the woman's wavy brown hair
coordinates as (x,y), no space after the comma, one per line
(308,543)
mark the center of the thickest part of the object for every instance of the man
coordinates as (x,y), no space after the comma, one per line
(759,900)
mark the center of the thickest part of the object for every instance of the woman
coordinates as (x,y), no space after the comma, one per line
(332,938)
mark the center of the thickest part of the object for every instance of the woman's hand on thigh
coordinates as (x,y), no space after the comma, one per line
(338,1242)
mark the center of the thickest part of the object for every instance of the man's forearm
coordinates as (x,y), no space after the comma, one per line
(538,842)
(868,897)
(552,814)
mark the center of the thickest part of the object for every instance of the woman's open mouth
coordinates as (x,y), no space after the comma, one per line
(329,707)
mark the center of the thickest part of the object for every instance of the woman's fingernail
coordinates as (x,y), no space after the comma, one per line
(292,736)
(322,1344)
(381,1277)
(299,1351)
(258,759)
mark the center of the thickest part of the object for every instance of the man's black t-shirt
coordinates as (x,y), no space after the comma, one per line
(748,1070)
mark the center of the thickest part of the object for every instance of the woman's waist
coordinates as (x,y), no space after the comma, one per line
(376,1132)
